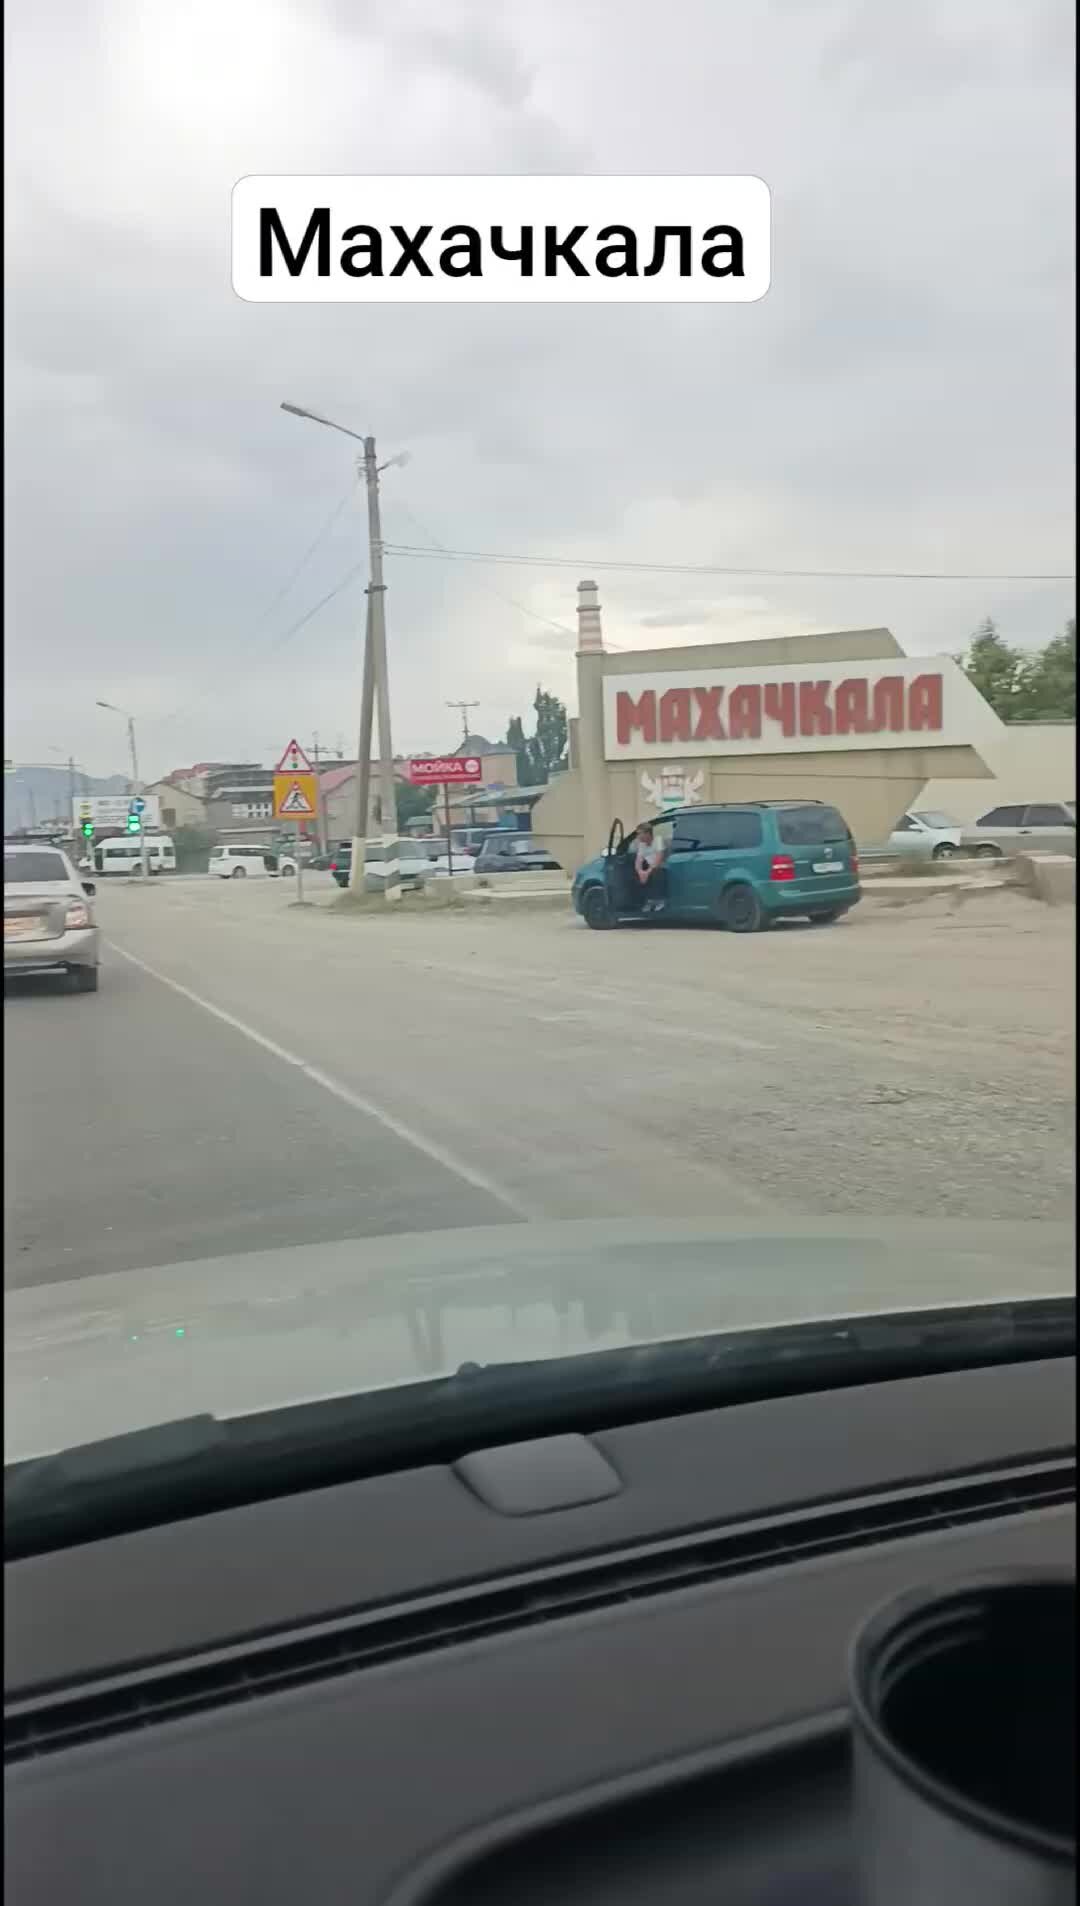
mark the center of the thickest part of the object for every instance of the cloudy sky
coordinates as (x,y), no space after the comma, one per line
(901,400)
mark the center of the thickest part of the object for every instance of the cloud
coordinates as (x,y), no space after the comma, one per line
(902,399)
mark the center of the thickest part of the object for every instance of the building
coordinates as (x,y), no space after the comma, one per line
(337,787)
(179,808)
(845,718)
(337,795)
(498,763)
(239,799)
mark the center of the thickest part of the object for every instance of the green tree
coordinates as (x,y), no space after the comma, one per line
(543,753)
(515,739)
(994,667)
(1046,681)
(412,802)
(549,742)
(192,846)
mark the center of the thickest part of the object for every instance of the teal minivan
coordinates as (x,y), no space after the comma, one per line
(741,865)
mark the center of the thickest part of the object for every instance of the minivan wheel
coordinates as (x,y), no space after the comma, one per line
(287,873)
(740,910)
(986,852)
(943,851)
(595,910)
(239,873)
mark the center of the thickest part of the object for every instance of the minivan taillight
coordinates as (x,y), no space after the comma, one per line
(782,868)
(854,863)
(333,866)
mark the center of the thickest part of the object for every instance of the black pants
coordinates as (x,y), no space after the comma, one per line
(653,891)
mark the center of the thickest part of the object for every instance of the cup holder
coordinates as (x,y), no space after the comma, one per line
(964,1702)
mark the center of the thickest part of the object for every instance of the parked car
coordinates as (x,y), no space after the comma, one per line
(740,865)
(1047,827)
(412,859)
(467,841)
(242,860)
(511,853)
(926,835)
(287,859)
(49,924)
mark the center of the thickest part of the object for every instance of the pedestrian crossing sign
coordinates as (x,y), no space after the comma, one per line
(294,797)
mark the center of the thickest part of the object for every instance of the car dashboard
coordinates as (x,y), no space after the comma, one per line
(604,1667)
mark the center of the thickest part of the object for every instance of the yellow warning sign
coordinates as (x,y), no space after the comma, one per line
(294,797)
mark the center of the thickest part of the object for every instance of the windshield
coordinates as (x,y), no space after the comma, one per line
(444,440)
(24,868)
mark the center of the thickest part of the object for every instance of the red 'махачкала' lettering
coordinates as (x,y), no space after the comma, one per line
(857,706)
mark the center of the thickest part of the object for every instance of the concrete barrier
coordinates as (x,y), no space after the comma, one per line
(1050,878)
(519,900)
(534,880)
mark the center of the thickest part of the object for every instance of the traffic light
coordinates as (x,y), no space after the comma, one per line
(87,830)
(134,823)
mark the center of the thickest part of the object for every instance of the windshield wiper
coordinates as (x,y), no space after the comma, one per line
(201,1464)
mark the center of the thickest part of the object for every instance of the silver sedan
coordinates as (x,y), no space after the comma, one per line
(923,834)
(49,924)
(1043,827)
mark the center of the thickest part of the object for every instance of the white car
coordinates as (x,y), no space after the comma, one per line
(49,924)
(925,835)
(242,860)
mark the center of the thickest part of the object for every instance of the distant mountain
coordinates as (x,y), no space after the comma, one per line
(36,795)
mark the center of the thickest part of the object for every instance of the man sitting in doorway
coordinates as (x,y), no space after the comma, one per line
(649,871)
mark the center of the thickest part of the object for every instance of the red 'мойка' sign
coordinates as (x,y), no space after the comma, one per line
(429,770)
(889,704)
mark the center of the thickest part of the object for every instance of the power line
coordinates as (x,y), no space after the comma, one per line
(583,564)
(279,596)
(440,548)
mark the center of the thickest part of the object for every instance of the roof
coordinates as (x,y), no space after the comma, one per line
(479,744)
(498,797)
(715,807)
(331,779)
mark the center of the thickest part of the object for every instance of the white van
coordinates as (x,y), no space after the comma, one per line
(124,854)
(242,860)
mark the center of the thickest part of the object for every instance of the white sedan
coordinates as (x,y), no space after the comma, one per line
(925,835)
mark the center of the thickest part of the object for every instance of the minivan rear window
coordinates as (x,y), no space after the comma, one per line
(811,826)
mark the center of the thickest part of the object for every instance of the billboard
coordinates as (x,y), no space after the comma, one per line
(111,810)
(457,770)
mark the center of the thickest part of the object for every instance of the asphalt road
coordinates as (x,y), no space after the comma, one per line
(252,1074)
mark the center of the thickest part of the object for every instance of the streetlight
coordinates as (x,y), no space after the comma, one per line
(376,682)
(136,784)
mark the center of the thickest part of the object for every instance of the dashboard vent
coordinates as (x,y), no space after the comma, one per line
(49,1722)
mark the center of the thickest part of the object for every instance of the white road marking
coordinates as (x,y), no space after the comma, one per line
(430,1149)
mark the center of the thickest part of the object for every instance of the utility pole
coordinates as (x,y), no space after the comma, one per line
(136,789)
(376,687)
(377,646)
(463,710)
(363,760)
(320,810)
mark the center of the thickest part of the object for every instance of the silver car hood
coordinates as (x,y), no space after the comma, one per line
(98,1355)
